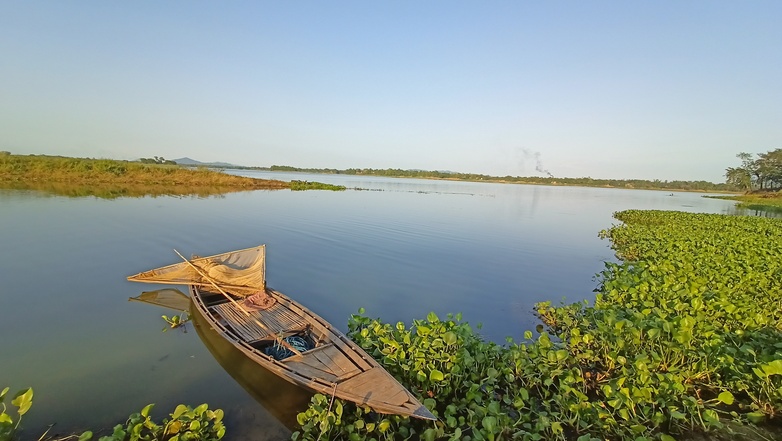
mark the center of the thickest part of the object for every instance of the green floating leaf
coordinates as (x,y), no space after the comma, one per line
(146,409)
(436,375)
(489,423)
(773,368)
(180,409)
(200,409)
(429,435)
(86,436)
(338,408)
(638,428)
(23,400)
(492,373)
(756,417)
(119,433)
(726,397)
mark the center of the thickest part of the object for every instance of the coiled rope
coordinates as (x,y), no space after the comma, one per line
(280,352)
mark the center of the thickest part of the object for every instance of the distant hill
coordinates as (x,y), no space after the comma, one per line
(188,161)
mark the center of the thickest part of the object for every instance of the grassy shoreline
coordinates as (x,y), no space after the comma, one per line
(34,169)
(108,178)
(755,200)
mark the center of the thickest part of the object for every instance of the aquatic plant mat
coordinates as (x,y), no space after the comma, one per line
(684,341)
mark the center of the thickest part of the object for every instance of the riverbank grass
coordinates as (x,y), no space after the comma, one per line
(110,178)
(756,200)
(40,168)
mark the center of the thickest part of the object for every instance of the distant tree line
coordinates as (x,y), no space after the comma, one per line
(584,182)
(763,173)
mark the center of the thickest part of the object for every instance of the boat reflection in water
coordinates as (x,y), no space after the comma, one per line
(282,399)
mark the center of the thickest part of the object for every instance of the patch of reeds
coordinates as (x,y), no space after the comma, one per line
(308,185)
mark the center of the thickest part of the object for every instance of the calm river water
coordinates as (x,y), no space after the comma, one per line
(399,248)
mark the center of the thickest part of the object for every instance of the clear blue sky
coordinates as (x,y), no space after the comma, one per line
(619,89)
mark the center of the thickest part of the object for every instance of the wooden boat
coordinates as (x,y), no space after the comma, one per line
(224,289)
(282,399)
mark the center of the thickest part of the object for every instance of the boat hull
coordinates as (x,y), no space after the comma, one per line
(335,366)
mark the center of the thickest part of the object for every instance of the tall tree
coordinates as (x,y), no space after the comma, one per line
(765,172)
(739,177)
(770,164)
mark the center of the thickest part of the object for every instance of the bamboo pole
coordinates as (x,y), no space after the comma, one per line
(264,267)
(227,296)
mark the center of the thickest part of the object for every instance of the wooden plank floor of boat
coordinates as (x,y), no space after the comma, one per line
(376,385)
(326,360)
(278,318)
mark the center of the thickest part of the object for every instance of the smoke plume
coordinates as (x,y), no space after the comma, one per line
(535,156)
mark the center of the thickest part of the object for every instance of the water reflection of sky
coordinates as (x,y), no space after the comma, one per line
(487,250)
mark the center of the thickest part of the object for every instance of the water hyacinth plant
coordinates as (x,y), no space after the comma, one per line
(684,337)
(308,185)
(184,424)
(176,321)
(22,401)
